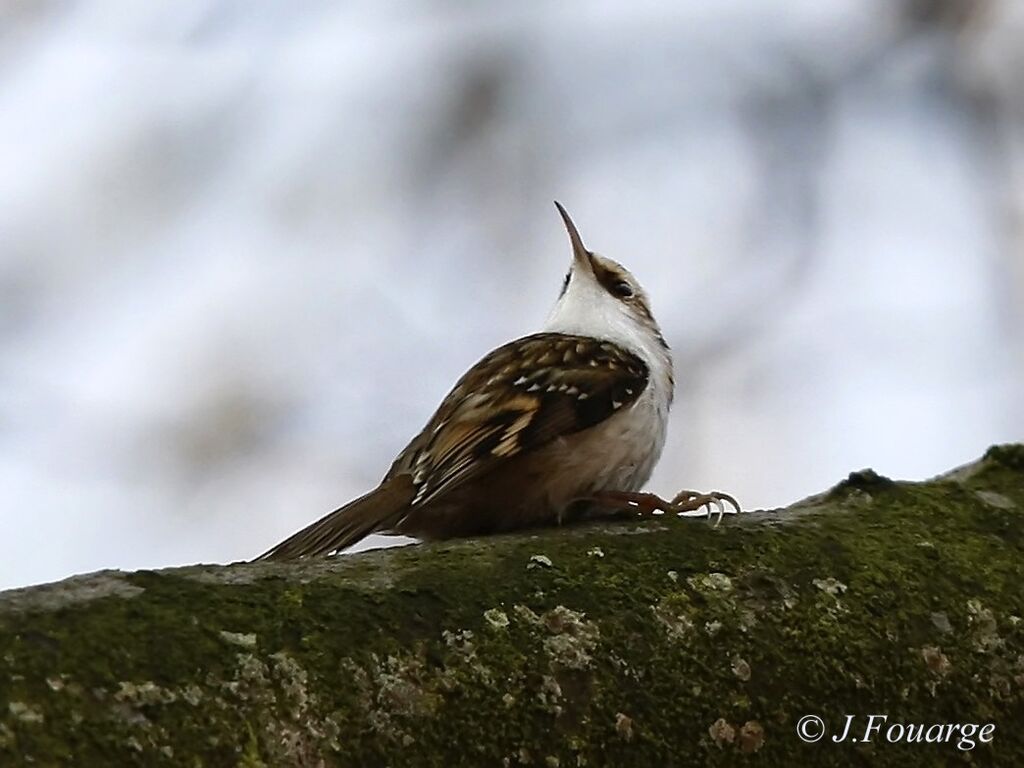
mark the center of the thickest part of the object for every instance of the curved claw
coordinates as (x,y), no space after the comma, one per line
(728,500)
(721,510)
(715,501)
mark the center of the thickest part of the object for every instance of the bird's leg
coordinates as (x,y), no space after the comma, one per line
(633,503)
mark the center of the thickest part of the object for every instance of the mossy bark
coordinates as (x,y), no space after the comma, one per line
(643,644)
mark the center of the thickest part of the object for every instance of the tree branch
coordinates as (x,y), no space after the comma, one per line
(648,644)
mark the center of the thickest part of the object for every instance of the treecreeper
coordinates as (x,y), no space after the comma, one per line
(554,427)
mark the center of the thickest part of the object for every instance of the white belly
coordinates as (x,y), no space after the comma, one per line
(618,454)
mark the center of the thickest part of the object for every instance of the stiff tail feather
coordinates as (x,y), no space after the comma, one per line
(377,510)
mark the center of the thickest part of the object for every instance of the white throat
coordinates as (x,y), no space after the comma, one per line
(587,309)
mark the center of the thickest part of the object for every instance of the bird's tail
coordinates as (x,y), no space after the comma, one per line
(377,510)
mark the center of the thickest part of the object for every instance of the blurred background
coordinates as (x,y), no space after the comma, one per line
(246,250)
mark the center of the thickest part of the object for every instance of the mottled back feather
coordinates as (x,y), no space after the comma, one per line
(518,398)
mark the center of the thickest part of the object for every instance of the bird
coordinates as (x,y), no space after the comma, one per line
(554,427)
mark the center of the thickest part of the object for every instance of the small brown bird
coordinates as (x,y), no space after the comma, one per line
(556,426)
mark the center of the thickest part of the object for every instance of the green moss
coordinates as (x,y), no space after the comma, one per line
(681,643)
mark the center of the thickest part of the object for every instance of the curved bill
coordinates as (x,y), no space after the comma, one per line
(579,251)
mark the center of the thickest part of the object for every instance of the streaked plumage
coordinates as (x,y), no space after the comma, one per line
(531,431)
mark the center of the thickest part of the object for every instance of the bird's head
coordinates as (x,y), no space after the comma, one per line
(601,298)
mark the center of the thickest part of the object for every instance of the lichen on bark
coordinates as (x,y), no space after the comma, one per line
(651,643)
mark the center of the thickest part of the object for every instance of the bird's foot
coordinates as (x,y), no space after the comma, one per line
(639,504)
(715,501)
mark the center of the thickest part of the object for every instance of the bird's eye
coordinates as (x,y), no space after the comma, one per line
(622,289)
(565,283)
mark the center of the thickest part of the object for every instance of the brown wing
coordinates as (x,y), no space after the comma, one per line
(518,398)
